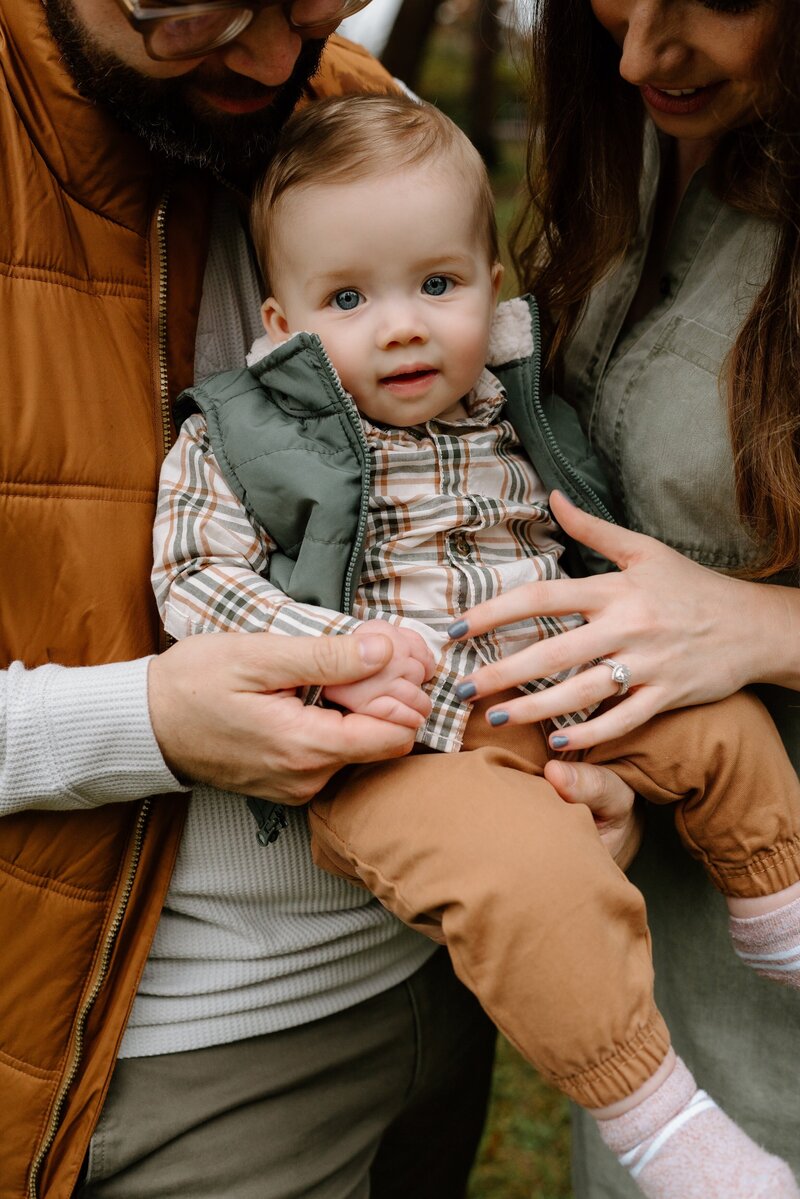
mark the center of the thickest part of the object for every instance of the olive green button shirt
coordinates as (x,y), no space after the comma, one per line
(653,405)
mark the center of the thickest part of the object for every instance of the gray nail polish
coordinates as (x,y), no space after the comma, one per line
(457,629)
(466,690)
(559,742)
(497,718)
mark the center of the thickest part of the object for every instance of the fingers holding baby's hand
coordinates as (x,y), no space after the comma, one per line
(401,703)
(408,647)
(395,692)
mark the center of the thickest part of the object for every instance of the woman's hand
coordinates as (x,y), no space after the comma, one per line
(610,800)
(687,635)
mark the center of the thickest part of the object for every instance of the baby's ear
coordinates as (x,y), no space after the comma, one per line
(498,270)
(275,322)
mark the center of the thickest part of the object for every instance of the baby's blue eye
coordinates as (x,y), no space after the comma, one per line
(347,299)
(437,285)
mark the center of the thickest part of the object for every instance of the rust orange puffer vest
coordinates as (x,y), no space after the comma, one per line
(101,264)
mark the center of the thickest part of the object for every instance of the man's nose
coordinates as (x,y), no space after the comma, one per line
(267,49)
(654,49)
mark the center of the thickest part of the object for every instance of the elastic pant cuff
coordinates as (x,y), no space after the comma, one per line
(622,1072)
(765,874)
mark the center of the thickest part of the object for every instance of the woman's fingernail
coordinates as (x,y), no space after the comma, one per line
(457,629)
(497,718)
(558,742)
(466,690)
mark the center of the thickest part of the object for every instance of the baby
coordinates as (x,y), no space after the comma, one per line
(369,473)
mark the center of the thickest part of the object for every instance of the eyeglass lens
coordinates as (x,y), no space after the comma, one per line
(184,36)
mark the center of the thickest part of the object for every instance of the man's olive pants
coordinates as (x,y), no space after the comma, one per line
(386,1099)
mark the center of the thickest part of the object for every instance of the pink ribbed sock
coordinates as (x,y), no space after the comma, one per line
(770,943)
(677,1144)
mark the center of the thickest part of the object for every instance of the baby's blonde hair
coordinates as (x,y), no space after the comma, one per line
(349,138)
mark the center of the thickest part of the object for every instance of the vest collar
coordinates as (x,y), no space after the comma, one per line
(93,159)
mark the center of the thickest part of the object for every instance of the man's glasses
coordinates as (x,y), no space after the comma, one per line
(174,31)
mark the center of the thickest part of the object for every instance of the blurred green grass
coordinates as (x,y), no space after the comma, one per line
(525,1149)
(524,1153)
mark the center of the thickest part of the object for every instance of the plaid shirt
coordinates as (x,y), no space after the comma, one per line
(457,515)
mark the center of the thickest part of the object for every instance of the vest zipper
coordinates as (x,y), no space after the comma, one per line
(100,972)
(101,969)
(161,325)
(555,449)
(165,638)
(355,422)
(271,817)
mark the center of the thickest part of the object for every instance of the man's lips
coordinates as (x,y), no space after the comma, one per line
(411,380)
(692,101)
(235,105)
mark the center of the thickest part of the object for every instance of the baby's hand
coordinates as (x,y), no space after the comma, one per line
(394,693)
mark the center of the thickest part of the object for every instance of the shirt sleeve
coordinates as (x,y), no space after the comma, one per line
(209,556)
(78,737)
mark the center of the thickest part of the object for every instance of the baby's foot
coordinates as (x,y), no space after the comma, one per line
(770,943)
(677,1144)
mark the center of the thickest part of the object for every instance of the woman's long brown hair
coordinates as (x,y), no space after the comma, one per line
(584,168)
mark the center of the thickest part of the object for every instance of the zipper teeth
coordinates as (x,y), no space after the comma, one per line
(163,374)
(80,1023)
(161,334)
(355,421)
(555,448)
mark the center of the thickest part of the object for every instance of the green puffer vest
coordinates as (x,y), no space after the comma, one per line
(289,441)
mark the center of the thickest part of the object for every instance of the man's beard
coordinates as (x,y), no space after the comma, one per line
(161,113)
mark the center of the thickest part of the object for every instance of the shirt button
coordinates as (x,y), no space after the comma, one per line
(461,545)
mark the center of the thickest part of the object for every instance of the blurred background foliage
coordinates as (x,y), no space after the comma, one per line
(484,93)
(469,58)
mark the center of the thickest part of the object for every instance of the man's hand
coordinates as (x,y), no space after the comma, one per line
(224,711)
(393,693)
(611,801)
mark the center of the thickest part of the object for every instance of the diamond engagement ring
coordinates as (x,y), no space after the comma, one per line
(620,673)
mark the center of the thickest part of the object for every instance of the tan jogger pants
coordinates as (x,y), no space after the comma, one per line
(476,850)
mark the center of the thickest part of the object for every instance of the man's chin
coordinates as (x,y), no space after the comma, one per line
(217,121)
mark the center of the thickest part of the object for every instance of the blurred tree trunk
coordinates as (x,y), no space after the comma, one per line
(405,51)
(482,106)
(405,48)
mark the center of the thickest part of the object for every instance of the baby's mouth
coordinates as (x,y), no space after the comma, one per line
(416,379)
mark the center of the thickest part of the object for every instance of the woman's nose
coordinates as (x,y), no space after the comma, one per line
(654,49)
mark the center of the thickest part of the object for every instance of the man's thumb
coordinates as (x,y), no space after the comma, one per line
(604,793)
(339,659)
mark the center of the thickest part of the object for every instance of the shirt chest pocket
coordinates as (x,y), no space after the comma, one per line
(671,444)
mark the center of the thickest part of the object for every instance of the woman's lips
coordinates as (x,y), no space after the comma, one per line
(678,105)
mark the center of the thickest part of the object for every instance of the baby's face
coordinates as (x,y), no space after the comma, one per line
(396,279)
